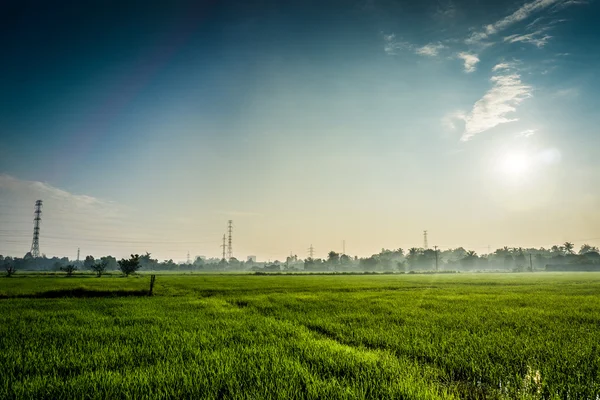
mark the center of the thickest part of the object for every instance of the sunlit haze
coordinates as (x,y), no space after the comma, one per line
(146,127)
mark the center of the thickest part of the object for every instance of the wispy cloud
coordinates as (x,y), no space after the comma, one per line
(449,120)
(568,3)
(430,50)
(537,38)
(519,15)
(470,61)
(44,191)
(391,44)
(493,108)
(524,12)
(445,10)
(568,92)
(502,66)
(527,133)
(237,213)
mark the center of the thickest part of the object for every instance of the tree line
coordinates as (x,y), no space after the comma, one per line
(515,259)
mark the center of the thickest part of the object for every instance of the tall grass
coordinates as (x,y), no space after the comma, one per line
(280,337)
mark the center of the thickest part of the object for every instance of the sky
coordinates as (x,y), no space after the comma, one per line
(146,126)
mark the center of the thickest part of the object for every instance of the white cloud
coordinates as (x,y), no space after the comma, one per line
(449,120)
(527,133)
(470,61)
(503,66)
(493,108)
(537,38)
(29,191)
(431,49)
(521,14)
(568,3)
(568,92)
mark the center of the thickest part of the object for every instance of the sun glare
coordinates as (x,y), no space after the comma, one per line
(515,165)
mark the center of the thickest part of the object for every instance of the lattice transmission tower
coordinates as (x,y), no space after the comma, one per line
(230,239)
(224,246)
(35,244)
(425,244)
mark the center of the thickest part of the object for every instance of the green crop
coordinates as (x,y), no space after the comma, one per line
(528,336)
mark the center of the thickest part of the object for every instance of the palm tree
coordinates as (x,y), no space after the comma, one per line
(568,246)
(413,251)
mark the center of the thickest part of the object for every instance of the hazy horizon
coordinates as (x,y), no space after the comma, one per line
(146,128)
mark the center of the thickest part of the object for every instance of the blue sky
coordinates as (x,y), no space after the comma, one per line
(146,126)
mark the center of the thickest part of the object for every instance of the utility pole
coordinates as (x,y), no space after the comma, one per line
(425,244)
(78,254)
(230,241)
(436,258)
(311,251)
(35,244)
(224,246)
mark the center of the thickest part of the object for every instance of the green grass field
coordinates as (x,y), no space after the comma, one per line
(286,337)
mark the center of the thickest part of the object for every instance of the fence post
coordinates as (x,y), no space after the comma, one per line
(152,279)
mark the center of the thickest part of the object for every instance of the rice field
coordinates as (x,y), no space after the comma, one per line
(464,336)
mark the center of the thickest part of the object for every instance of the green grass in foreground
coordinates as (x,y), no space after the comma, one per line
(255,337)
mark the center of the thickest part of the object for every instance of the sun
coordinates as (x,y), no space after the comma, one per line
(515,165)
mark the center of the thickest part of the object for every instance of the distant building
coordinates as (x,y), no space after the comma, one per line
(251,259)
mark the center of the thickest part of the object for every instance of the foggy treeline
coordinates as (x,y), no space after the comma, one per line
(557,258)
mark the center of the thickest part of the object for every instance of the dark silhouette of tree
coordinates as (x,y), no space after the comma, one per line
(369,264)
(147,262)
(111,263)
(89,262)
(100,267)
(586,248)
(520,261)
(557,250)
(333,257)
(10,270)
(568,246)
(509,261)
(69,269)
(130,266)
(413,257)
(469,260)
